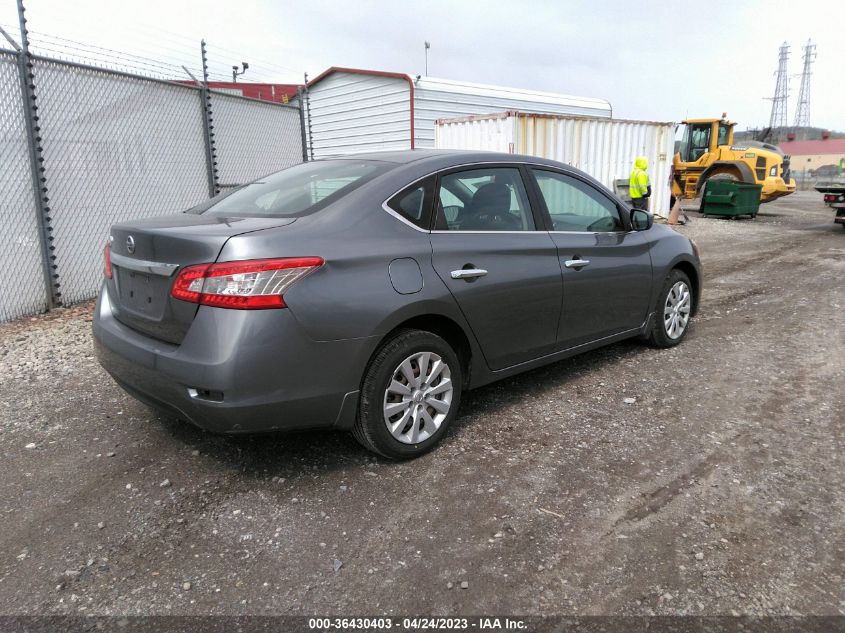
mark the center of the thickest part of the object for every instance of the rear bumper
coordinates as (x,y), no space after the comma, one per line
(237,371)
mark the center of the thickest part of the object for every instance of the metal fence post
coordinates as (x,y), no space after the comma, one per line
(36,161)
(308,116)
(208,128)
(299,98)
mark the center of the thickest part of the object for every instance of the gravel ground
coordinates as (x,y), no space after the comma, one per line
(719,490)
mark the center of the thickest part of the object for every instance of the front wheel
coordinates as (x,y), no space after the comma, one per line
(410,395)
(674,311)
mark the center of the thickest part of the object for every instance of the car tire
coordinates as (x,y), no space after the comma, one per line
(672,314)
(402,413)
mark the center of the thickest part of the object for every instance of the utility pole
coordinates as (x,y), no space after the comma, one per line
(427,46)
(802,113)
(778,118)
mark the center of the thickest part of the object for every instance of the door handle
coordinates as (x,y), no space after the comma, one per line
(576,263)
(468,273)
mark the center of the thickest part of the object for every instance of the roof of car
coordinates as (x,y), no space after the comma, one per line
(460,156)
(414,163)
(397,156)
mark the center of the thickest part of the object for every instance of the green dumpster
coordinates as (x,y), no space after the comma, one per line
(730,198)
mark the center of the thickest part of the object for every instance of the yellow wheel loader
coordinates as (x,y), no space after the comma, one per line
(706,150)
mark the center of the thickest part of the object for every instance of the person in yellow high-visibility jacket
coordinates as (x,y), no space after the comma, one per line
(639,184)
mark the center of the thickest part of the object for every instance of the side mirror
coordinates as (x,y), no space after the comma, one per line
(641,220)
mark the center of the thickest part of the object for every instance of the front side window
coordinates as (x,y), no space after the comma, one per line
(296,191)
(486,199)
(575,205)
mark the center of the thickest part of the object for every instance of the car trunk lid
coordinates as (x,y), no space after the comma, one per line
(147,255)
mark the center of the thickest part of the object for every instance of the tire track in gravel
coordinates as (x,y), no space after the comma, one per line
(740,448)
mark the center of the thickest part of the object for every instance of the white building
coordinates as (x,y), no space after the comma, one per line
(354,110)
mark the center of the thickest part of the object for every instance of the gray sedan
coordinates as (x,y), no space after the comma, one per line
(368,293)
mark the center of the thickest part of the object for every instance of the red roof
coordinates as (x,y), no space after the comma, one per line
(280,93)
(807,148)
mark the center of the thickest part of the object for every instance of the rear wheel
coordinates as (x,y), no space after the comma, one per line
(410,395)
(674,311)
(724,175)
(719,175)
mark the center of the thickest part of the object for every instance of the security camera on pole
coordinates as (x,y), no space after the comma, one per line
(236,73)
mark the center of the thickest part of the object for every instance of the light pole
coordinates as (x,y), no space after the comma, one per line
(427,46)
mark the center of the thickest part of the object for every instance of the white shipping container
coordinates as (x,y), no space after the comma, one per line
(353,110)
(604,148)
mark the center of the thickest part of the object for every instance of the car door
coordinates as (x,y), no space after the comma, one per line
(606,268)
(498,261)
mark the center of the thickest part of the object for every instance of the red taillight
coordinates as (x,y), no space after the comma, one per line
(107,271)
(246,285)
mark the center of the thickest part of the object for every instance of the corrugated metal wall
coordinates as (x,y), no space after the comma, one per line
(489,133)
(366,111)
(603,148)
(353,113)
(439,99)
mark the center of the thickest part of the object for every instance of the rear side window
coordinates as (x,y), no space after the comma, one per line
(414,203)
(297,191)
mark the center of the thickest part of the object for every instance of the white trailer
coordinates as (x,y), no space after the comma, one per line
(604,148)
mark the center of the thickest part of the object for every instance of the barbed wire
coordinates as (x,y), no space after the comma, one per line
(178,51)
(70,47)
(181,39)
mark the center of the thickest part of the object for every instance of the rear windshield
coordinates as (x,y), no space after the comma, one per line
(296,191)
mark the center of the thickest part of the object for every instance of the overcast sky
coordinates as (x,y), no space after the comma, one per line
(652,60)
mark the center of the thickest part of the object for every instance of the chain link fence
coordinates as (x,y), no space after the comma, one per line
(23,291)
(252,138)
(807,179)
(115,147)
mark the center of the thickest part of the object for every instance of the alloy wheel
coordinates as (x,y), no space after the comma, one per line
(418,398)
(676,312)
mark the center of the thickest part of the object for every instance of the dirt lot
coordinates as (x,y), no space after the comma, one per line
(720,490)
